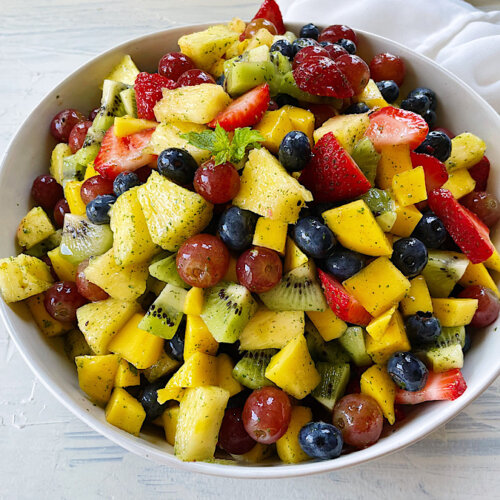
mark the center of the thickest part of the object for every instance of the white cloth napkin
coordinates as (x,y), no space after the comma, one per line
(457,35)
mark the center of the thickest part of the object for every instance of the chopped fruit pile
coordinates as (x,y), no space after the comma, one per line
(264,248)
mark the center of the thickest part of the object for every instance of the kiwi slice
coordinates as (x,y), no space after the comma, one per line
(320,350)
(165,313)
(366,158)
(443,271)
(250,369)
(334,379)
(129,103)
(227,310)
(74,166)
(379,201)
(281,62)
(48,244)
(165,269)
(298,290)
(353,341)
(81,239)
(245,75)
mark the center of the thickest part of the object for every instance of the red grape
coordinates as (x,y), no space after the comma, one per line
(143,173)
(95,186)
(63,122)
(93,114)
(488,306)
(77,135)
(321,112)
(173,64)
(355,70)
(60,210)
(62,300)
(87,289)
(387,66)
(266,414)
(256,25)
(335,51)
(47,261)
(259,269)
(485,205)
(217,183)
(337,32)
(307,52)
(232,435)
(46,191)
(202,260)
(194,77)
(359,418)
(272,106)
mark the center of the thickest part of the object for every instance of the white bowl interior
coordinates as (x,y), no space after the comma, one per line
(460,109)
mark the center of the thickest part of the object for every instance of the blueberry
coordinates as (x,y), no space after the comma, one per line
(98,209)
(125,181)
(284,47)
(321,440)
(177,165)
(348,45)
(344,263)
(407,371)
(430,230)
(295,151)
(468,341)
(221,80)
(313,237)
(356,109)
(436,144)
(175,346)
(389,90)
(318,208)
(422,328)
(236,228)
(418,103)
(300,43)
(285,100)
(430,117)
(309,31)
(427,92)
(148,397)
(409,255)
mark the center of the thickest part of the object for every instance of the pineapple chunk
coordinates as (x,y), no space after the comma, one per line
(125,412)
(294,256)
(170,417)
(128,125)
(61,151)
(409,186)
(198,337)
(200,417)
(328,324)
(288,446)
(270,234)
(466,150)
(127,375)
(90,171)
(65,270)
(407,219)
(225,377)
(99,321)
(125,71)
(47,324)
(96,375)
(120,282)
(393,160)
(267,189)
(454,312)
(418,297)
(377,383)
(34,228)
(132,243)
(22,277)
(196,104)
(262,38)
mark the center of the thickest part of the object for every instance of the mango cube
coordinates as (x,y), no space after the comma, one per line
(34,228)
(393,160)
(371,96)
(170,417)
(493,262)
(377,326)
(225,377)
(294,256)
(198,337)
(231,271)
(128,125)
(125,412)
(90,171)
(454,312)
(48,325)
(417,299)
(328,324)
(74,198)
(193,304)
(271,234)
(127,375)
(273,126)
(302,120)
(477,274)
(96,376)
(460,183)
(288,446)
(407,219)
(65,270)
(409,186)
(377,383)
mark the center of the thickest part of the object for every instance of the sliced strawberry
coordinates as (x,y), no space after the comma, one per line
(345,306)
(448,385)
(120,154)
(148,92)
(467,231)
(307,52)
(435,171)
(390,126)
(480,173)
(332,175)
(245,111)
(319,75)
(270,10)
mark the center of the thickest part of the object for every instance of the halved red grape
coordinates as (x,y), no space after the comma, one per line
(259,269)
(266,414)
(256,25)
(77,135)
(46,191)
(87,289)
(485,205)
(387,66)
(63,122)
(334,51)
(488,306)
(62,300)
(359,418)
(60,210)
(93,114)
(217,183)
(202,260)
(232,435)
(355,70)
(194,77)
(173,64)
(337,32)
(94,187)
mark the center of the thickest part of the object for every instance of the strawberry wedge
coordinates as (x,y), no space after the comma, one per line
(120,154)
(435,172)
(344,305)
(270,10)
(148,91)
(440,386)
(332,175)
(467,231)
(245,111)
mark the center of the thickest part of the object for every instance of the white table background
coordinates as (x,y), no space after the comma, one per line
(46,452)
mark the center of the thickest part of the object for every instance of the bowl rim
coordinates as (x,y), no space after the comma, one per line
(138,445)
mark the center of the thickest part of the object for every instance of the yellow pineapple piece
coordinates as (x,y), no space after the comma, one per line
(198,337)
(493,262)
(47,324)
(273,126)
(393,160)
(407,219)
(302,120)
(409,186)
(225,377)
(460,183)
(418,297)
(454,312)
(127,374)
(371,96)
(163,366)
(96,375)
(477,274)
(288,446)
(377,383)
(170,417)
(125,412)
(61,151)
(270,234)
(217,69)
(294,256)
(377,326)
(65,270)
(466,150)
(128,125)
(34,228)
(236,24)
(262,37)
(328,324)
(90,171)
(125,71)
(74,198)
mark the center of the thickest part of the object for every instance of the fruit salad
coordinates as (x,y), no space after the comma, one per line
(265,248)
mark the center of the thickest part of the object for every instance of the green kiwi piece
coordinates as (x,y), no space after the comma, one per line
(76,345)
(227,309)
(366,158)
(379,201)
(443,271)
(353,341)
(281,62)
(250,369)
(74,166)
(48,244)
(334,379)
(245,75)
(165,269)
(81,239)
(129,103)
(320,350)
(298,290)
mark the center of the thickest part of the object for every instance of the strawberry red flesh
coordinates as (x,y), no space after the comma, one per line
(440,386)
(480,173)
(467,231)
(435,172)
(148,91)
(332,175)
(270,10)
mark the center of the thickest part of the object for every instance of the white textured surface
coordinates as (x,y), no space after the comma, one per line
(48,453)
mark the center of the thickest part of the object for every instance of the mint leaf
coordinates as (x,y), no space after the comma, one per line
(244,138)
(202,140)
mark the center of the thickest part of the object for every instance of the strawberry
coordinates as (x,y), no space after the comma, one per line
(390,126)
(319,75)
(307,52)
(345,306)
(270,10)
(467,231)
(120,154)
(448,385)
(435,171)
(331,174)
(148,92)
(480,173)
(245,111)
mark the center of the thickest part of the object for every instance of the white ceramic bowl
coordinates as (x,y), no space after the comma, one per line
(28,154)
